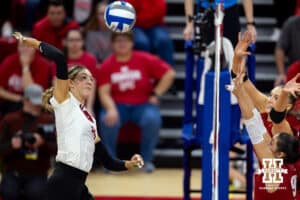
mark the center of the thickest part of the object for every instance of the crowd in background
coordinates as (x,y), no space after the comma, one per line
(77,27)
(131,71)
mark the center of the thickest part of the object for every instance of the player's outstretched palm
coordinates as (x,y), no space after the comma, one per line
(240,52)
(243,43)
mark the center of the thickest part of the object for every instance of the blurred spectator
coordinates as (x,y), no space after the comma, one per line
(150,33)
(76,55)
(54,27)
(231,23)
(27,141)
(287,47)
(18,71)
(82,10)
(282,12)
(8,44)
(97,35)
(128,93)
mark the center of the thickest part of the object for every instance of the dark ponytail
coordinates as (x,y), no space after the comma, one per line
(289,145)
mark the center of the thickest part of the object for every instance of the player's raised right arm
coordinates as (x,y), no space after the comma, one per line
(61,85)
(240,51)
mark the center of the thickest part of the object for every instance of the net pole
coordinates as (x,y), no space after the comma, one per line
(216,105)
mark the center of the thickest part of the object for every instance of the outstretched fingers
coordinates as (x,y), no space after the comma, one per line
(247,37)
(292,86)
(296,77)
(244,41)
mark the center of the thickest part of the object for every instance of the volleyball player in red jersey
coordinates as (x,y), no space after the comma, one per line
(282,145)
(273,110)
(266,105)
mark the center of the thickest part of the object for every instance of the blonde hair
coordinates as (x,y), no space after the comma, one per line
(46,97)
(48,93)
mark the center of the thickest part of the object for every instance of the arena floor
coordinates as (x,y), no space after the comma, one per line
(163,184)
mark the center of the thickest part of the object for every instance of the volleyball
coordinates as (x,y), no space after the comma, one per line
(120,16)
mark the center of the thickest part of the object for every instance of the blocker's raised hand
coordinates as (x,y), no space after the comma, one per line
(244,42)
(240,52)
(292,86)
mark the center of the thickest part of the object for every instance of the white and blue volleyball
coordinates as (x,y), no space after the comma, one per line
(120,16)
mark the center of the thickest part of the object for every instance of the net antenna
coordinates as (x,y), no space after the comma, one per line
(214,137)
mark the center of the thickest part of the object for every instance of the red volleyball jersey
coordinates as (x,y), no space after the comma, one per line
(286,190)
(292,120)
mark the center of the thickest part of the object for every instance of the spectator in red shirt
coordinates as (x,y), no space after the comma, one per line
(54,27)
(150,34)
(76,55)
(128,93)
(19,70)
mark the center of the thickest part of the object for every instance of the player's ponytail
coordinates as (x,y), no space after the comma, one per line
(46,97)
(289,145)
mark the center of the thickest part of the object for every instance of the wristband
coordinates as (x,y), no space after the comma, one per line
(190,18)
(251,23)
